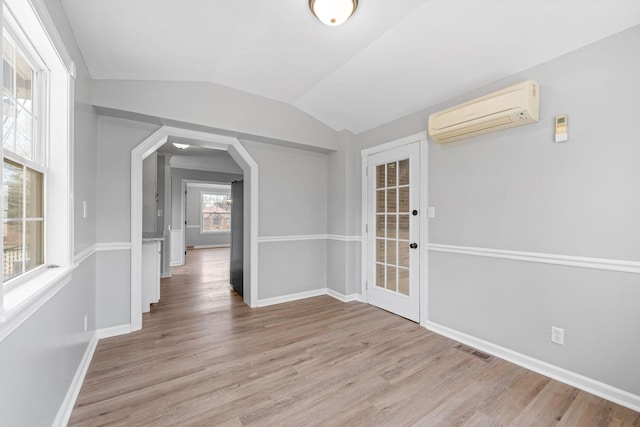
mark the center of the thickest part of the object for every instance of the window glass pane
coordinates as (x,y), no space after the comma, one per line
(403,227)
(391,278)
(216,212)
(24,134)
(380,225)
(403,281)
(24,83)
(391,201)
(403,172)
(34,194)
(380,201)
(34,244)
(404,199)
(391,252)
(8,123)
(403,254)
(391,174)
(391,226)
(380,176)
(12,176)
(12,250)
(380,275)
(380,250)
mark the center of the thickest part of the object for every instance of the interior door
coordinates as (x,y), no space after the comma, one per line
(393,179)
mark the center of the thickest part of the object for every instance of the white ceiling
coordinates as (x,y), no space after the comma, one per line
(392,58)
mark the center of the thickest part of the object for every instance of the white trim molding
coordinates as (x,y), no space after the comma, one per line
(82,256)
(299,238)
(570,261)
(309,294)
(250,171)
(113,246)
(340,238)
(291,297)
(343,297)
(64,413)
(587,384)
(113,331)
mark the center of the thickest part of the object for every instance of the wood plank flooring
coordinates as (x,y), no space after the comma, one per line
(204,358)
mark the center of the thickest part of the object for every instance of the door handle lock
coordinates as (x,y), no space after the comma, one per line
(413,245)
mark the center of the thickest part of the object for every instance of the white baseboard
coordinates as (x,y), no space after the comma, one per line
(64,413)
(176,264)
(292,297)
(343,297)
(587,384)
(223,245)
(113,331)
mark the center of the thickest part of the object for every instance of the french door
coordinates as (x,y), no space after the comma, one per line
(393,181)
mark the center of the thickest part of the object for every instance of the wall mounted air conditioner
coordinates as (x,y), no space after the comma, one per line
(510,107)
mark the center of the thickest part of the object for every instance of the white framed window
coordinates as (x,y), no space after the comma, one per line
(37,184)
(24,171)
(215,211)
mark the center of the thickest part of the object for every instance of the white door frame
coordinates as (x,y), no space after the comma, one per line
(421,138)
(183,211)
(250,169)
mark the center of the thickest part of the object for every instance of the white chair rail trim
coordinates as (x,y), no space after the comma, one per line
(297,238)
(566,260)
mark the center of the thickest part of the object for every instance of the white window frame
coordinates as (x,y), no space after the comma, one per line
(38,162)
(217,189)
(28,22)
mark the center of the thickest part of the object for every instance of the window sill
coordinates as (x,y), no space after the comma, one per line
(24,300)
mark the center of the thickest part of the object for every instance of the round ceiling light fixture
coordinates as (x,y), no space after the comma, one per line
(333,12)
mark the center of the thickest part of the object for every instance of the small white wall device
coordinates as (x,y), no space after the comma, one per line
(561,128)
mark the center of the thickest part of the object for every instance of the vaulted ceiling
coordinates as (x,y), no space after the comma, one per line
(392,58)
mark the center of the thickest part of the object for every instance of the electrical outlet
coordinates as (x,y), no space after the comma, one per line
(557,335)
(86,323)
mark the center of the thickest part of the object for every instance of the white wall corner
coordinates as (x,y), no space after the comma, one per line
(113,331)
(344,298)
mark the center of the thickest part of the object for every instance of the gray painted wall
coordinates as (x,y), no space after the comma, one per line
(293,190)
(519,190)
(40,358)
(44,352)
(221,109)
(293,202)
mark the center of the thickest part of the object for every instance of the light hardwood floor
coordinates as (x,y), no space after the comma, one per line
(204,358)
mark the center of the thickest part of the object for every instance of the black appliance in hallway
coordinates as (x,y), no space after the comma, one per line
(237,218)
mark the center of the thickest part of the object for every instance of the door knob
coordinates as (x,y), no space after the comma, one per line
(413,245)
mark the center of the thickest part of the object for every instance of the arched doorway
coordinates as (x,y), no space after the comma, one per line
(250,170)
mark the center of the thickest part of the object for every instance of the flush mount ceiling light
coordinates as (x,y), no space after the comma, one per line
(180,146)
(333,12)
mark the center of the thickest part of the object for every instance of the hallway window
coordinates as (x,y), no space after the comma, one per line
(215,210)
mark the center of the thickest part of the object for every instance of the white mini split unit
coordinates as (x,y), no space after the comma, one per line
(510,107)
